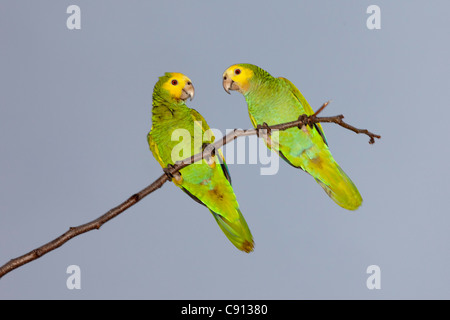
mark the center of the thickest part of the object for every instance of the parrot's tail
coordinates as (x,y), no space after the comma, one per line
(237,231)
(337,184)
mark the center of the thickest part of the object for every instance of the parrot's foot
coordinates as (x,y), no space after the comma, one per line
(213,152)
(306,120)
(264,126)
(208,154)
(169,175)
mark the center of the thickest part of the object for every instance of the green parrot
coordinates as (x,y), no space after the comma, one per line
(179,132)
(273,101)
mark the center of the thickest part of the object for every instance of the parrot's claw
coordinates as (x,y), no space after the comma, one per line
(167,171)
(209,152)
(213,152)
(306,120)
(264,126)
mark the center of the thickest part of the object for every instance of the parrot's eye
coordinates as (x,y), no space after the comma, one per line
(189,83)
(237,71)
(174,82)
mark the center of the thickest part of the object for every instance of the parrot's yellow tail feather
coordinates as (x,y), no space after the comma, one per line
(339,187)
(236,231)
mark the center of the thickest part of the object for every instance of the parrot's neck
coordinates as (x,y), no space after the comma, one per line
(164,111)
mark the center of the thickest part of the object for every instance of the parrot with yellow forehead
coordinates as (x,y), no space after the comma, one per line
(273,101)
(207,181)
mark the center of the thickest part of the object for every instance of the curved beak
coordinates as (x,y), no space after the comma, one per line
(188,92)
(229,84)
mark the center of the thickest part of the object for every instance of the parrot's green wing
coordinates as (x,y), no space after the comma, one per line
(223,165)
(308,110)
(199,118)
(318,161)
(154,148)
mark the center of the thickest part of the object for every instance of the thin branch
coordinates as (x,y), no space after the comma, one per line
(158,183)
(321,108)
(75,231)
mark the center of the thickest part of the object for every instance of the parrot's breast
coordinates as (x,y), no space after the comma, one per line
(273,105)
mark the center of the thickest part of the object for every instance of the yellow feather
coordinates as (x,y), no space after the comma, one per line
(175,90)
(242,78)
(155,150)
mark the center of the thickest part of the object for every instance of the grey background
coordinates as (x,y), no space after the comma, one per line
(75,109)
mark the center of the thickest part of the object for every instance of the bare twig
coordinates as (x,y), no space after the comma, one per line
(338,120)
(321,108)
(158,183)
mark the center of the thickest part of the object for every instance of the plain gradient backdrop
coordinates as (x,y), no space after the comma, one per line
(75,110)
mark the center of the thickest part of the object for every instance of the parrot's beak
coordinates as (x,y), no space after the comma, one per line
(229,84)
(187,92)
